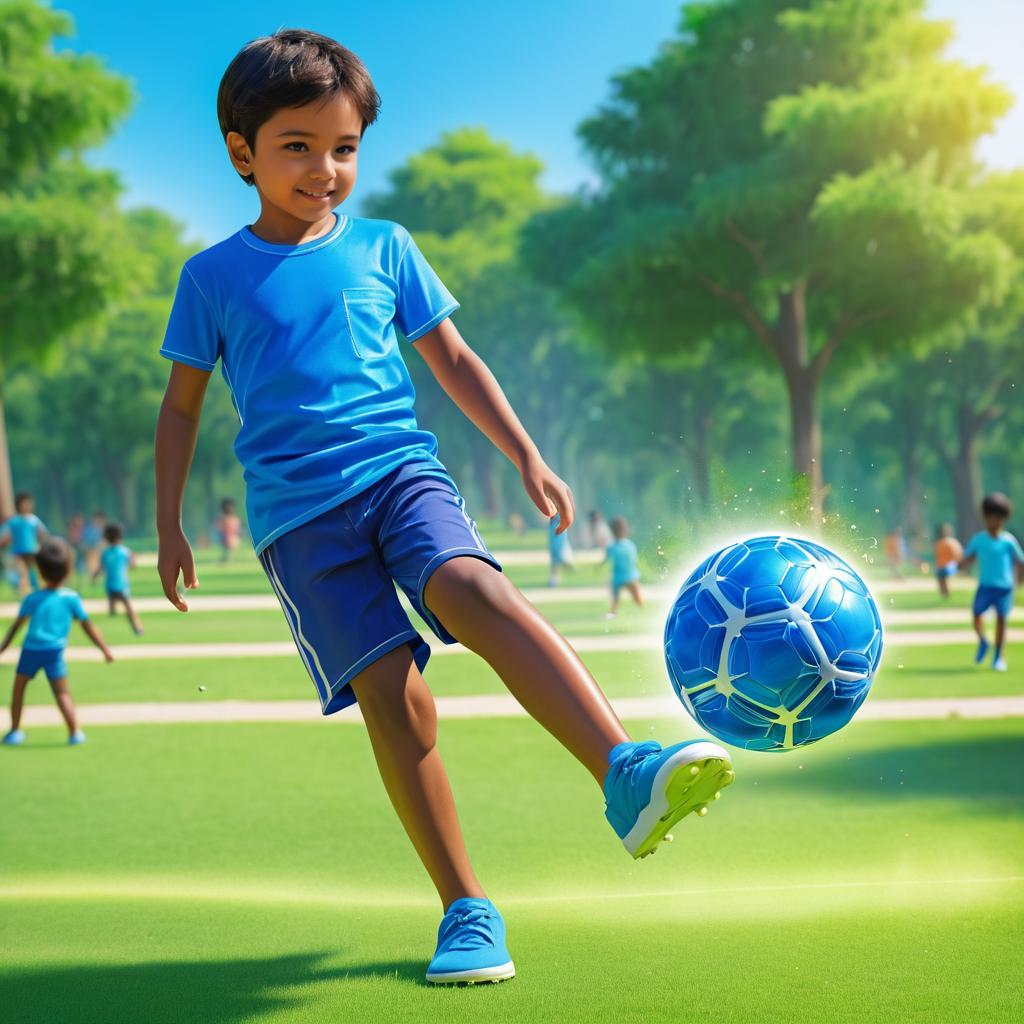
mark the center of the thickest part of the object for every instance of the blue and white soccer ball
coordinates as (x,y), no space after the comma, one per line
(772,643)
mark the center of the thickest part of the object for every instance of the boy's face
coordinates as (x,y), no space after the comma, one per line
(994,522)
(305,159)
(25,506)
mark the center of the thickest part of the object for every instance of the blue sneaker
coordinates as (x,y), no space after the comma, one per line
(979,657)
(471,944)
(76,739)
(14,738)
(647,789)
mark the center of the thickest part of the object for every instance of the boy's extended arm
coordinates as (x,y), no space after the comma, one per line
(176,430)
(97,638)
(469,383)
(15,626)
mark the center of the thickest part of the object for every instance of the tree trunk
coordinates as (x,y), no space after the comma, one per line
(966,472)
(913,514)
(698,452)
(6,480)
(802,387)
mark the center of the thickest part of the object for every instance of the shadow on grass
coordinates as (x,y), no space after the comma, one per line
(211,991)
(970,769)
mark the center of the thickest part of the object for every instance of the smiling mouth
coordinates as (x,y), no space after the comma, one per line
(323,194)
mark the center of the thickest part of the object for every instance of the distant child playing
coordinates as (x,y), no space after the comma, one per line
(49,613)
(23,531)
(1000,568)
(559,551)
(115,561)
(623,556)
(948,552)
(346,495)
(228,528)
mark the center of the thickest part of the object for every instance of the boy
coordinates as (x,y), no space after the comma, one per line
(623,555)
(345,494)
(228,527)
(23,531)
(115,561)
(1000,561)
(948,552)
(49,613)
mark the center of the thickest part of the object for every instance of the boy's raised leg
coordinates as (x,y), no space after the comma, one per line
(18,700)
(401,720)
(485,612)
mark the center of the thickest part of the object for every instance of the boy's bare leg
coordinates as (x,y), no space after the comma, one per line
(133,616)
(111,604)
(483,610)
(23,580)
(979,627)
(18,699)
(401,720)
(1000,632)
(65,703)
(614,610)
(634,589)
(943,586)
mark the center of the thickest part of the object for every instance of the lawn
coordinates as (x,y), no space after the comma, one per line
(256,873)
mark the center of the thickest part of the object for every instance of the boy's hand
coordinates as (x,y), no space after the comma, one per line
(176,556)
(548,492)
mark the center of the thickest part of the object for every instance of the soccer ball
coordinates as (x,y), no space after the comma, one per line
(772,643)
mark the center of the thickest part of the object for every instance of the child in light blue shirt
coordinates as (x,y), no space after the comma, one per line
(23,531)
(1000,565)
(49,613)
(622,555)
(115,561)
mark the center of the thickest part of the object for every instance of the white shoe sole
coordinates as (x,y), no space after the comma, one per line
(494,974)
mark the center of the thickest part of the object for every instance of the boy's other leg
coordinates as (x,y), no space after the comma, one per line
(401,720)
(979,628)
(18,700)
(997,656)
(133,616)
(480,607)
(634,589)
(23,577)
(943,585)
(65,703)
(614,609)
(111,604)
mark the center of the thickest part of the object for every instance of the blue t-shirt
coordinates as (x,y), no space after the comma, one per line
(997,558)
(623,556)
(50,612)
(305,335)
(115,561)
(24,533)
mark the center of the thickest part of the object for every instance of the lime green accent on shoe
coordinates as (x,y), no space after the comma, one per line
(690,788)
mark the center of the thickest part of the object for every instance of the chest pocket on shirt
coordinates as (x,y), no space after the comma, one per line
(368,316)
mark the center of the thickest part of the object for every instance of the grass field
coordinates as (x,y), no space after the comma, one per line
(237,872)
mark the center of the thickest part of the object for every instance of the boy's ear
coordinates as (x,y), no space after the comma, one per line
(239,152)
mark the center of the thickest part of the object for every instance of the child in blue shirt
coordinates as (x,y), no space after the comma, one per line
(559,551)
(1000,567)
(49,613)
(345,493)
(23,531)
(623,556)
(115,561)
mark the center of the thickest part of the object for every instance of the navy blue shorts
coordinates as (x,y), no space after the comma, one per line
(52,662)
(335,575)
(1000,598)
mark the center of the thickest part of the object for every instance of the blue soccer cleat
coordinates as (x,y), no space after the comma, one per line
(14,738)
(76,739)
(471,944)
(647,789)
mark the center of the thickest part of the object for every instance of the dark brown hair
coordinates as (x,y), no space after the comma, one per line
(291,68)
(113,532)
(997,504)
(54,560)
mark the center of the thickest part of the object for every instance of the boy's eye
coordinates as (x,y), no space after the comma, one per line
(341,149)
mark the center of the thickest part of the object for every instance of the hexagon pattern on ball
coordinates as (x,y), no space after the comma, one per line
(772,643)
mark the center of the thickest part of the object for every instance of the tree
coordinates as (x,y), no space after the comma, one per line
(61,240)
(801,169)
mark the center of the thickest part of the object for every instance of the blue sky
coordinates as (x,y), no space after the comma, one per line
(528,70)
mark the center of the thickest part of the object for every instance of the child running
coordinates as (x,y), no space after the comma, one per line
(623,556)
(1000,567)
(228,527)
(559,551)
(948,552)
(23,531)
(345,493)
(49,613)
(115,562)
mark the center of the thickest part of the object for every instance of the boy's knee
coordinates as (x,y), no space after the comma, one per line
(469,585)
(395,706)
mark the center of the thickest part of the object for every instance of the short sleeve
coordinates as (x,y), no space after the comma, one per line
(1018,553)
(192,334)
(78,609)
(25,611)
(423,301)
(972,547)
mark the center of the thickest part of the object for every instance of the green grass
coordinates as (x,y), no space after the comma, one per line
(942,671)
(257,873)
